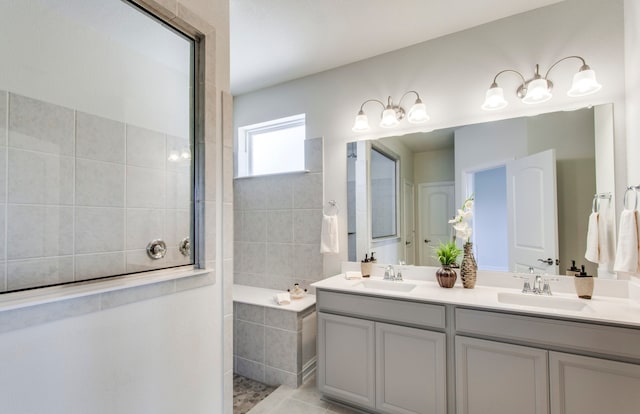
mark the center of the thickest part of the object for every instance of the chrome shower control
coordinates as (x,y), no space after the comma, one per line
(157,249)
(185,247)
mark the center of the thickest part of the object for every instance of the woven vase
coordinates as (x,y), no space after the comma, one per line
(469,267)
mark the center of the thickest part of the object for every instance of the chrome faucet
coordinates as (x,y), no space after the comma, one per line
(537,285)
(389,273)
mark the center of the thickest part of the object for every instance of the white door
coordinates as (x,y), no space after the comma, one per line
(532,213)
(409,226)
(436,208)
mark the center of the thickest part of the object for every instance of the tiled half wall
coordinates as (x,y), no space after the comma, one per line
(277,223)
(81,196)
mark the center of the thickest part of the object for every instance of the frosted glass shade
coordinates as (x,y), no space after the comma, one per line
(584,83)
(494,99)
(418,113)
(389,119)
(361,124)
(537,92)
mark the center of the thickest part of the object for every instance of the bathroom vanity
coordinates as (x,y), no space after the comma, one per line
(413,347)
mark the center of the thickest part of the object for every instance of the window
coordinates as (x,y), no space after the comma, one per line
(271,147)
(384,194)
(96,118)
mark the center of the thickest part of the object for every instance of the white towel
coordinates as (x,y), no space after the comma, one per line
(283,298)
(352,275)
(329,235)
(627,254)
(606,240)
(593,244)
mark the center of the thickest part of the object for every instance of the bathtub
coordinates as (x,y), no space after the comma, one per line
(273,344)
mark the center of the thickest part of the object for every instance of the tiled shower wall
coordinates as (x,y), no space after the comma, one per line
(81,195)
(277,222)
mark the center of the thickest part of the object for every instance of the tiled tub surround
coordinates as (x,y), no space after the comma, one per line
(277,223)
(81,195)
(273,344)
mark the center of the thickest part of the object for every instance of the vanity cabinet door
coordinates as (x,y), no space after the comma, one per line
(498,378)
(346,358)
(582,385)
(410,370)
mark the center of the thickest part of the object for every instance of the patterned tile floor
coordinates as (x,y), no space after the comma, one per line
(247,393)
(304,400)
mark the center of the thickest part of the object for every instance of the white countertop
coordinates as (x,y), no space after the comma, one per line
(266,297)
(600,309)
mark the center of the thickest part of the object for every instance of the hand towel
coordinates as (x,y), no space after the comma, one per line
(593,248)
(329,235)
(352,275)
(627,254)
(606,241)
(283,298)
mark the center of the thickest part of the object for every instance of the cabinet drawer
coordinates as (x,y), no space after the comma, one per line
(381,309)
(551,333)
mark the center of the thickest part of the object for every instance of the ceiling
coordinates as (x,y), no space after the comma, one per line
(274,41)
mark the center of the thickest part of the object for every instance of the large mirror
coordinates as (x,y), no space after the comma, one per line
(534,180)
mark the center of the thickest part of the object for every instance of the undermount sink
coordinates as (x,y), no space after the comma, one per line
(386,285)
(549,302)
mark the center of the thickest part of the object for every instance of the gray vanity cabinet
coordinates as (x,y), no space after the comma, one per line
(410,370)
(346,359)
(382,366)
(581,384)
(498,378)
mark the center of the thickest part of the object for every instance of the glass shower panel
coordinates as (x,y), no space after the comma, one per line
(96,142)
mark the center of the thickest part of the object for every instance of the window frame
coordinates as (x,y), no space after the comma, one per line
(196,136)
(382,150)
(244,147)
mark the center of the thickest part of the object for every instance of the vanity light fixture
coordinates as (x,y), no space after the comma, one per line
(392,113)
(538,89)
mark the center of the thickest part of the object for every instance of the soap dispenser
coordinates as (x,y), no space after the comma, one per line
(584,284)
(365,266)
(573,270)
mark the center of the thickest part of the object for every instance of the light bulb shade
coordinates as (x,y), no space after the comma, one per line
(361,124)
(538,91)
(389,118)
(494,99)
(418,113)
(584,83)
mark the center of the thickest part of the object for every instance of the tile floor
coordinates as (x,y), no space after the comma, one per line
(247,393)
(304,400)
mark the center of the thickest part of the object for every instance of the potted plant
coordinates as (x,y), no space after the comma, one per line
(447,254)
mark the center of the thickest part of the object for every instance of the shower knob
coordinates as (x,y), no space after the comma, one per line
(157,249)
(185,246)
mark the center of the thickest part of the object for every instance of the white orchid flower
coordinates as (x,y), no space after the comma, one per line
(461,229)
(466,214)
(468,205)
(456,219)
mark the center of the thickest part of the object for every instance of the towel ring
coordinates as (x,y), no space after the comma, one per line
(635,192)
(595,208)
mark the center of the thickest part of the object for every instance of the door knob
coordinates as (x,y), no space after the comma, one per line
(548,261)
(427,240)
